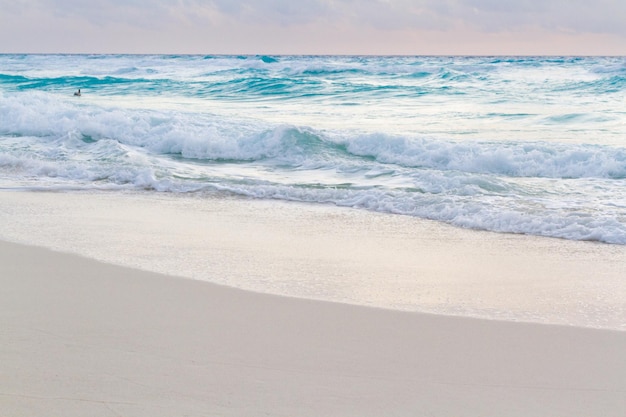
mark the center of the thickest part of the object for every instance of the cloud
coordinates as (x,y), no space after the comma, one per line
(598,16)
(100,13)
(388,14)
(319,25)
(282,12)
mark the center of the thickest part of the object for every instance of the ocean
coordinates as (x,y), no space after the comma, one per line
(524,145)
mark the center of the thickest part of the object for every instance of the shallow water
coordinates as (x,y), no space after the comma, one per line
(331,253)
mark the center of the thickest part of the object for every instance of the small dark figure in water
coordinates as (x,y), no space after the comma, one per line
(77,93)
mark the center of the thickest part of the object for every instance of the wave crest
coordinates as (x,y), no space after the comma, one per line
(541,159)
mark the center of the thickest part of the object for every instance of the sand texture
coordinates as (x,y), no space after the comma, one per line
(83,338)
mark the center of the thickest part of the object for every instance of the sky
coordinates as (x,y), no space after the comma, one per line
(379,27)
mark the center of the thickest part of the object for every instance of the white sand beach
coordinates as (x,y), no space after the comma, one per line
(80,337)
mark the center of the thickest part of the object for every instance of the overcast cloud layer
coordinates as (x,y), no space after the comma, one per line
(582,27)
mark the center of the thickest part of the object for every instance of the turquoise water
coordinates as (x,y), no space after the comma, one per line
(513,145)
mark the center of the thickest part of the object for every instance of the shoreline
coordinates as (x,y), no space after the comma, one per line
(83,337)
(329,253)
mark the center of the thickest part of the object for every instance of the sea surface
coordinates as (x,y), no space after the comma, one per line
(529,145)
